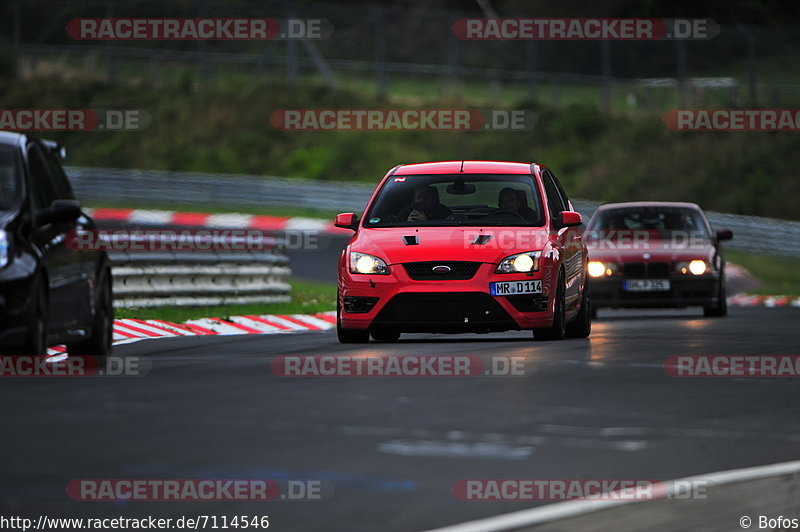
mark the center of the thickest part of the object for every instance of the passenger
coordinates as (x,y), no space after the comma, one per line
(425,206)
(509,201)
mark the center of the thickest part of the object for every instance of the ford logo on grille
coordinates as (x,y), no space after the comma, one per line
(441,269)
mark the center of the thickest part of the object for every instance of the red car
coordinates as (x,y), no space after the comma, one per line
(656,254)
(464,246)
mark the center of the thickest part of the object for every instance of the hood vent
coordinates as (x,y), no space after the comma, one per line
(481,239)
(411,240)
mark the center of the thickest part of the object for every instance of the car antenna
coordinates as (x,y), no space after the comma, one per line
(462,165)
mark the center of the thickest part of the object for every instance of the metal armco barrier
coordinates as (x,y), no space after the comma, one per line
(152,279)
(754,234)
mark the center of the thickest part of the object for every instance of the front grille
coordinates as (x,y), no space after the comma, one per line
(443,308)
(459,271)
(645,270)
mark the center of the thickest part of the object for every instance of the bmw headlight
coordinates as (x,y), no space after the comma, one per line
(695,267)
(520,263)
(601,269)
(3,248)
(367,264)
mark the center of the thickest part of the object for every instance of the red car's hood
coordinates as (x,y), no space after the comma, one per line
(658,251)
(448,243)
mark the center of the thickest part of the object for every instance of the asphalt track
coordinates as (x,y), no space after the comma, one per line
(391,449)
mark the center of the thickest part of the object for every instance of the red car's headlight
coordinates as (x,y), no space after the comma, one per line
(520,263)
(367,264)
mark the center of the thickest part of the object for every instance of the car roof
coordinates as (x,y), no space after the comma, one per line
(11,139)
(642,204)
(466,167)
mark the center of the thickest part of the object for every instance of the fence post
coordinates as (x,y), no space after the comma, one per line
(751,62)
(17,31)
(530,61)
(380,53)
(605,47)
(680,60)
(110,67)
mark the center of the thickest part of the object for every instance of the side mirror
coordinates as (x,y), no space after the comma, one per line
(569,219)
(60,211)
(724,234)
(346,220)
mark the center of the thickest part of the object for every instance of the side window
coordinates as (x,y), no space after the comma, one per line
(63,188)
(42,187)
(564,198)
(554,202)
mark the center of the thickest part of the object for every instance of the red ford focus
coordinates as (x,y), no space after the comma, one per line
(464,246)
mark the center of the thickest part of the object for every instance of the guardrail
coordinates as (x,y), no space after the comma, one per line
(754,234)
(151,279)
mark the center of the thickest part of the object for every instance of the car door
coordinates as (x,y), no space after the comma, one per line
(67,277)
(569,239)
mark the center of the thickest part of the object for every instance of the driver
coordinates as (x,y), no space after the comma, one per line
(509,201)
(426,206)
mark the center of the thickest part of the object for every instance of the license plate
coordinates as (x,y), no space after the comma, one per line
(509,288)
(647,285)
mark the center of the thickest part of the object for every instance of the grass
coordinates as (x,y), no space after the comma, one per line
(307,298)
(778,275)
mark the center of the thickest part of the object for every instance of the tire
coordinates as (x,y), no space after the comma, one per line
(98,345)
(35,343)
(349,336)
(385,334)
(581,326)
(721,308)
(557,331)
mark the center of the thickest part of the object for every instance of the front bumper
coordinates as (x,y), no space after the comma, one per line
(684,291)
(452,306)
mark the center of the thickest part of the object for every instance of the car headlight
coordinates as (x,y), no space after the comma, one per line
(367,264)
(695,267)
(3,248)
(520,263)
(601,269)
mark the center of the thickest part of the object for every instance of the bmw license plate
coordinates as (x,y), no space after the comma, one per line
(508,288)
(647,285)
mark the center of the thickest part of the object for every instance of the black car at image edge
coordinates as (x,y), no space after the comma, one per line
(49,294)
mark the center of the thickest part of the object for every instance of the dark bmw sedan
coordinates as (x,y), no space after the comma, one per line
(49,294)
(656,254)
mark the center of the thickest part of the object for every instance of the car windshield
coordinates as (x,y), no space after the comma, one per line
(655,220)
(447,199)
(9,178)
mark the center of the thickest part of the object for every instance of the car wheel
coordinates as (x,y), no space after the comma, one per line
(36,324)
(581,326)
(385,334)
(556,332)
(348,336)
(721,308)
(99,344)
